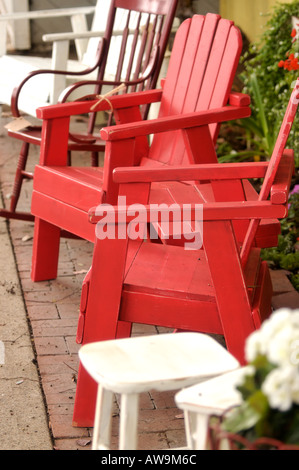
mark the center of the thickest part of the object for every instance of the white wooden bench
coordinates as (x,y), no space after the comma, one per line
(15,35)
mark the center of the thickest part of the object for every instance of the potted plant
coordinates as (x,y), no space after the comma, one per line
(268,416)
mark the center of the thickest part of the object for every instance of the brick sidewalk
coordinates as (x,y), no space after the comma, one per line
(52,309)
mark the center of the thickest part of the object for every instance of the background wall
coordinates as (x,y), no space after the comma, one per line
(250,16)
(186,8)
(40,27)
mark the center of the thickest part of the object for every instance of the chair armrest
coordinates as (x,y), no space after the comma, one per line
(237,210)
(32,15)
(239,99)
(69,36)
(16,92)
(81,107)
(202,172)
(172,123)
(279,192)
(53,37)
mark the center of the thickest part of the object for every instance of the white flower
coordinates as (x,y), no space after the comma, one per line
(294,352)
(245,372)
(280,347)
(295,318)
(275,338)
(253,346)
(278,340)
(278,386)
(273,325)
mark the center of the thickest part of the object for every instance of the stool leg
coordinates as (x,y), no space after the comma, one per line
(128,421)
(196,425)
(102,423)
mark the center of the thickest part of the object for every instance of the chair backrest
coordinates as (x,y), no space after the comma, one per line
(200,75)
(134,29)
(135,39)
(273,166)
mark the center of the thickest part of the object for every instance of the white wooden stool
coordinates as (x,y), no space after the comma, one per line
(203,400)
(134,365)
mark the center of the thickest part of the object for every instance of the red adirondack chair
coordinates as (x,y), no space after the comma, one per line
(204,59)
(221,288)
(147,30)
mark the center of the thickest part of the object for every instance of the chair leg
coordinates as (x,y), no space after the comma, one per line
(228,279)
(85,400)
(101,317)
(45,253)
(94,159)
(19,176)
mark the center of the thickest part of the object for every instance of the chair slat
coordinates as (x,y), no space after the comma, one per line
(213,43)
(137,64)
(133,47)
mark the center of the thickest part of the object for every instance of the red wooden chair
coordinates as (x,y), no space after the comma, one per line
(148,32)
(200,74)
(221,288)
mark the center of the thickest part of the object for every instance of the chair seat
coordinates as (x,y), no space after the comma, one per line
(32,135)
(81,188)
(62,191)
(158,272)
(183,193)
(68,184)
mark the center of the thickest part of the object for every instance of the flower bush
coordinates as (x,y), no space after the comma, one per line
(270,386)
(286,254)
(291,62)
(270,68)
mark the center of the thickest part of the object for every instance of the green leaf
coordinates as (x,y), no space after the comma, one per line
(242,418)
(248,387)
(258,401)
(259,104)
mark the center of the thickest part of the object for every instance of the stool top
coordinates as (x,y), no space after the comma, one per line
(213,396)
(160,362)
